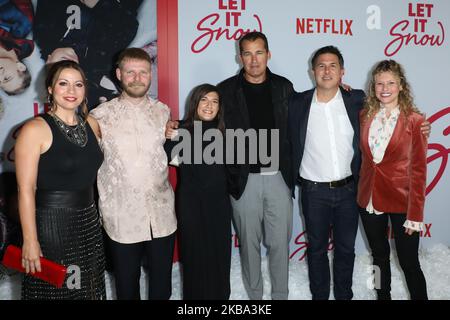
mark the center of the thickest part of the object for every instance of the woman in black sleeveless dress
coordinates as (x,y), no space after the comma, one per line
(57,158)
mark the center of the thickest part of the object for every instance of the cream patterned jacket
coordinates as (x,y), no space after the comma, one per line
(136,199)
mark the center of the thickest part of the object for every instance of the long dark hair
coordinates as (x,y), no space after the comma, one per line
(53,73)
(194,99)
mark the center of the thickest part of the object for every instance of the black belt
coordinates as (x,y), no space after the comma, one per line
(64,199)
(331,184)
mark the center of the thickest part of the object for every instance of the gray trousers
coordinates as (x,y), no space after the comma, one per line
(264,213)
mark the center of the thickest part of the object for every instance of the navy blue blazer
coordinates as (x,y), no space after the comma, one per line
(298,115)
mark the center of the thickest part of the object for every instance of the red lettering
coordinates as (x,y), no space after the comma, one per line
(236,16)
(318,25)
(310,26)
(221,5)
(419,24)
(318,22)
(429,6)
(231,5)
(349,27)
(236,241)
(410,10)
(209,34)
(420,10)
(326,25)
(36,108)
(397,43)
(333,29)
(300,26)
(441,151)
(303,245)
(427,233)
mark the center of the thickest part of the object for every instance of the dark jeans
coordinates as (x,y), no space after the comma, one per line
(127,261)
(375,227)
(322,207)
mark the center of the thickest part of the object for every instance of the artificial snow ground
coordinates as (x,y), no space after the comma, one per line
(435,262)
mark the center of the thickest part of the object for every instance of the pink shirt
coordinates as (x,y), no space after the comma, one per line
(136,199)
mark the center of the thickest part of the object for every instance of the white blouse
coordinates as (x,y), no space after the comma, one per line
(380,133)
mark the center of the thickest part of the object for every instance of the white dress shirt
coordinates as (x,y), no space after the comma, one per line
(328,149)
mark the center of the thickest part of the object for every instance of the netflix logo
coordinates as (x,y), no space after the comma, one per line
(324,26)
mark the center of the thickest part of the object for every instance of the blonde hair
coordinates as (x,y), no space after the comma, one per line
(405,98)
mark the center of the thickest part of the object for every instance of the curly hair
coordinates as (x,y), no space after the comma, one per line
(405,98)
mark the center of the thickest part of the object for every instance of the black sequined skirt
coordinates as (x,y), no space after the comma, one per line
(69,233)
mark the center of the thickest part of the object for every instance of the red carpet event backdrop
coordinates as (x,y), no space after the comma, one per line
(193,42)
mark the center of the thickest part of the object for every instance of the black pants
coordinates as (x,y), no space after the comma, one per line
(127,260)
(375,227)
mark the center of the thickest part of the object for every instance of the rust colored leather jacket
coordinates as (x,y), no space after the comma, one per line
(397,184)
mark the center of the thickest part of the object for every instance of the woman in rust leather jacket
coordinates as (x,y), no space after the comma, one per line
(393,177)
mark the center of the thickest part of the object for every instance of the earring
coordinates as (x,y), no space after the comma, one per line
(50,103)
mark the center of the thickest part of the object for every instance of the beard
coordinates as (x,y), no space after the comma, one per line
(135,89)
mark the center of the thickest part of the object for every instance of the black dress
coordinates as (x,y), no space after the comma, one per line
(68,225)
(204,226)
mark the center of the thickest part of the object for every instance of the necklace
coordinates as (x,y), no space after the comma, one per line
(75,134)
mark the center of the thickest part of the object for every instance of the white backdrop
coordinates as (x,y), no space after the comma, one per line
(413,33)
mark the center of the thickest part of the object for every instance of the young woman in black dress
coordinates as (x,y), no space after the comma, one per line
(203,203)
(57,158)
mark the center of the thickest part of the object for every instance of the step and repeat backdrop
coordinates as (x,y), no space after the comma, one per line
(415,33)
(197,43)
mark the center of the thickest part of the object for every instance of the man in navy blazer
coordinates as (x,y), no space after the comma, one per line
(324,138)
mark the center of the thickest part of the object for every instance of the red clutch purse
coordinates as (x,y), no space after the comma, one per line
(51,272)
